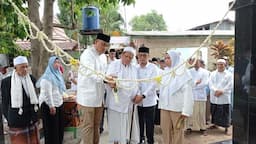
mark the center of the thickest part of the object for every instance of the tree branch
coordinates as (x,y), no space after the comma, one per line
(72,27)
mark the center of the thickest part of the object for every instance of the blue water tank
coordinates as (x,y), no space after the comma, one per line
(91,20)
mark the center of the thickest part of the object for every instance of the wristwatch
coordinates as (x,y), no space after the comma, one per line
(143,96)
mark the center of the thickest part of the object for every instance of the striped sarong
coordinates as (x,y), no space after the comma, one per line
(27,135)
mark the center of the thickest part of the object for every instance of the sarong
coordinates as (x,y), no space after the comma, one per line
(221,114)
(197,120)
(28,135)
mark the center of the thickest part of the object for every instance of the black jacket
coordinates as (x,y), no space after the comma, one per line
(28,117)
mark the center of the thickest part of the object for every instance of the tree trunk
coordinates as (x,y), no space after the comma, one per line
(33,13)
(39,55)
(47,29)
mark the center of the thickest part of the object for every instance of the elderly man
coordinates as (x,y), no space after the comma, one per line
(120,99)
(20,104)
(200,81)
(146,109)
(90,88)
(220,83)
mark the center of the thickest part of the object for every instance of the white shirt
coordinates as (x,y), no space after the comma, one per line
(230,69)
(221,81)
(50,94)
(90,86)
(127,90)
(110,60)
(148,88)
(199,92)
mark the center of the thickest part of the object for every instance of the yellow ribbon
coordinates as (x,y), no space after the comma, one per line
(158,79)
(74,62)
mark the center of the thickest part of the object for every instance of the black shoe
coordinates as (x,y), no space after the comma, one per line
(142,141)
(204,132)
(101,130)
(188,131)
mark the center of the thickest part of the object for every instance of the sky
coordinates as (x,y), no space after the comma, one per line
(179,15)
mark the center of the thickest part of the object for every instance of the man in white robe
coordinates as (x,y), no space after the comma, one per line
(208,104)
(90,89)
(200,81)
(220,83)
(121,97)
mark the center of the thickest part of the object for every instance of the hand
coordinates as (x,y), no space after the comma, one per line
(137,99)
(112,85)
(52,110)
(198,82)
(181,121)
(218,93)
(74,81)
(111,82)
(183,116)
(110,78)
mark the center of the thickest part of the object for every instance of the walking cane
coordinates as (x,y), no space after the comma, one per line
(133,105)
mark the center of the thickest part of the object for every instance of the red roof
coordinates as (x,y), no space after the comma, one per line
(65,45)
(59,38)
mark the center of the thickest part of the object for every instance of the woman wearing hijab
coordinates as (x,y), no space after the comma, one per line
(52,87)
(176,99)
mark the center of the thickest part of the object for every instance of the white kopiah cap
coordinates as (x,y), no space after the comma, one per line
(129,49)
(221,61)
(20,60)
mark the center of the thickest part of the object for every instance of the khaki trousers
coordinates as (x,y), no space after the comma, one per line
(90,124)
(197,120)
(171,134)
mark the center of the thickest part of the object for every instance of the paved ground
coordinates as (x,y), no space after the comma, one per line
(193,138)
(214,135)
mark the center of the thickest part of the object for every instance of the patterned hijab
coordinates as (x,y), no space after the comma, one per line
(53,75)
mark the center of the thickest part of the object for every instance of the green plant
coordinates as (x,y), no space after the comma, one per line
(221,49)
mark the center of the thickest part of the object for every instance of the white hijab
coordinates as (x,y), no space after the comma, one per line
(179,76)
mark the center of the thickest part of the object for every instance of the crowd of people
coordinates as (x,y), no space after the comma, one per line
(178,103)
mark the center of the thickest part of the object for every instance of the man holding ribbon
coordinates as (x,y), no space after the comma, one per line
(90,88)
(121,96)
